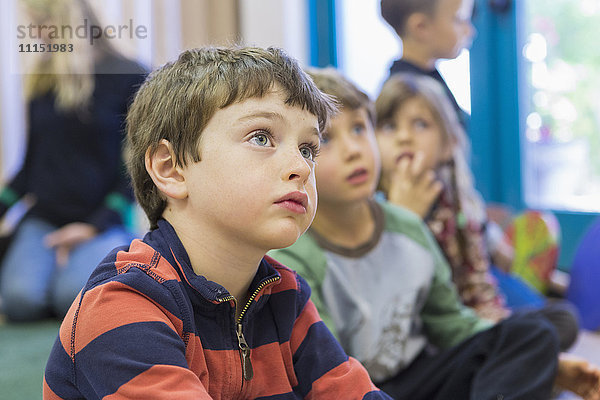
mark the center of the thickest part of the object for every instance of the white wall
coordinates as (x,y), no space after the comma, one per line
(368,46)
(280,23)
(11,106)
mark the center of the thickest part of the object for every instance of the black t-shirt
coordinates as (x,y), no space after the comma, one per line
(405,66)
(73,161)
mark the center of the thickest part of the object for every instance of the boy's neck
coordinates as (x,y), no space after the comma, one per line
(417,55)
(347,225)
(220,259)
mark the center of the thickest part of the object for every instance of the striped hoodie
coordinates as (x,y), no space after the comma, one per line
(145,326)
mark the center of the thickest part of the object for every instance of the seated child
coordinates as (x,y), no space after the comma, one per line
(382,285)
(433,30)
(424,168)
(220,147)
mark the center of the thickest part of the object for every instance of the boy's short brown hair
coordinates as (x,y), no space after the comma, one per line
(396,12)
(177,100)
(332,82)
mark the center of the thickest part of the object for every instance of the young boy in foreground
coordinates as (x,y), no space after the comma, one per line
(381,284)
(220,146)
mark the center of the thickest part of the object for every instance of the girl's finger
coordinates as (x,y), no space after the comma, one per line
(418,163)
(402,168)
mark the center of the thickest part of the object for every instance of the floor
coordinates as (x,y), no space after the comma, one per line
(24,349)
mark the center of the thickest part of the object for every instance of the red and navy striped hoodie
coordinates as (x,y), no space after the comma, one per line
(145,326)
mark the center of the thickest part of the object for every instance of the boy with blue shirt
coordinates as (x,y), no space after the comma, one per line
(383,287)
(221,148)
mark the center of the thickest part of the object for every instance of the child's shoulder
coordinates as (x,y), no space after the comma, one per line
(124,262)
(306,244)
(290,280)
(399,218)
(405,222)
(305,256)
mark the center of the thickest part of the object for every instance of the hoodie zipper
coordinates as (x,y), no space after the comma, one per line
(247,370)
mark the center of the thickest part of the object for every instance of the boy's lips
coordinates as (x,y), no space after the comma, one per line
(358,176)
(294,201)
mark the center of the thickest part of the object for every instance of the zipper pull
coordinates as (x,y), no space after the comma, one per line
(247,369)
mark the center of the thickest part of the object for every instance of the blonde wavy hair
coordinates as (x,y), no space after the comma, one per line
(69,75)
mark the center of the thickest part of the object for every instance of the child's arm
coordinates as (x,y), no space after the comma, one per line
(447,321)
(118,342)
(322,368)
(414,187)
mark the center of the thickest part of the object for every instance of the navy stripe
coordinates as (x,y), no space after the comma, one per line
(211,325)
(58,368)
(282,396)
(278,311)
(303,294)
(121,354)
(309,364)
(376,395)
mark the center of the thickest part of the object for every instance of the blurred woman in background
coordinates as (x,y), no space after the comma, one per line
(73,172)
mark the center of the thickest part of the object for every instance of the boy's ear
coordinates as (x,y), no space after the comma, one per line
(417,24)
(165,173)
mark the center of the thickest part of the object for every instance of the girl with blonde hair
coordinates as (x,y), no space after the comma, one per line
(425,168)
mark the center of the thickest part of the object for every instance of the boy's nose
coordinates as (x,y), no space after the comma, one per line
(351,148)
(402,135)
(298,168)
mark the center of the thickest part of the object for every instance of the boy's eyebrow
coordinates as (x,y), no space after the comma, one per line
(262,114)
(274,115)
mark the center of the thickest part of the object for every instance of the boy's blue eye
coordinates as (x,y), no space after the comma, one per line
(325,139)
(420,123)
(261,139)
(358,129)
(309,151)
(388,127)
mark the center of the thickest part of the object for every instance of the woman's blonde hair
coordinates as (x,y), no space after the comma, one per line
(405,86)
(69,75)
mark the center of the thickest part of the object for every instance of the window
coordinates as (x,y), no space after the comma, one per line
(367,46)
(562,133)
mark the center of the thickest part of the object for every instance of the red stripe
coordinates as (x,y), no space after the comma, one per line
(273,370)
(141,253)
(48,393)
(162,382)
(67,324)
(225,378)
(305,320)
(109,306)
(334,384)
(196,359)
